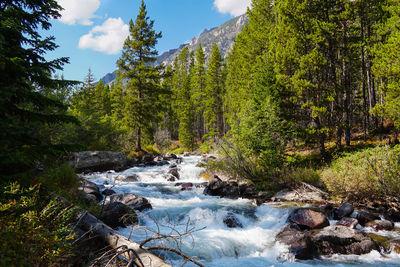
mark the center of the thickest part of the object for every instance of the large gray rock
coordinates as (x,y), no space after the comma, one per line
(379,225)
(232,221)
(131,200)
(339,239)
(129,178)
(304,193)
(98,161)
(117,214)
(299,242)
(345,210)
(215,186)
(308,219)
(349,222)
(174,172)
(90,188)
(364,217)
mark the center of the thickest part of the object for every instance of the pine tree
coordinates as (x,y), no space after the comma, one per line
(142,79)
(183,104)
(213,95)
(198,84)
(23,73)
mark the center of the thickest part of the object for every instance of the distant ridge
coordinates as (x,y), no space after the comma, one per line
(224,36)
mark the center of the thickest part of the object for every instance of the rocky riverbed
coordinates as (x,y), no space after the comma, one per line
(237,225)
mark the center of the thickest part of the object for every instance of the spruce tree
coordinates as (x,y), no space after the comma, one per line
(24,72)
(213,94)
(142,87)
(183,104)
(198,84)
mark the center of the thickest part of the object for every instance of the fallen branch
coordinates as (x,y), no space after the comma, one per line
(90,223)
(176,252)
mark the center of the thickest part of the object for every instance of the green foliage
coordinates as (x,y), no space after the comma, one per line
(142,87)
(60,179)
(24,76)
(386,63)
(34,231)
(213,96)
(182,95)
(369,174)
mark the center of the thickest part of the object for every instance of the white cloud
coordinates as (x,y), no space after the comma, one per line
(78,11)
(233,7)
(108,38)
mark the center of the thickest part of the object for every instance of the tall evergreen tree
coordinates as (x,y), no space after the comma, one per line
(214,94)
(183,104)
(142,79)
(198,84)
(23,73)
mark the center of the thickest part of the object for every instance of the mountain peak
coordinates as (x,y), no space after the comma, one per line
(224,36)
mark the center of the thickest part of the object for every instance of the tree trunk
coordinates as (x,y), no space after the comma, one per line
(88,222)
(138,139)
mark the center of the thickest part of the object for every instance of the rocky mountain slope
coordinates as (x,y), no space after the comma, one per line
(224,36)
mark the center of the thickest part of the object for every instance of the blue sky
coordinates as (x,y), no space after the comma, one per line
(91,32)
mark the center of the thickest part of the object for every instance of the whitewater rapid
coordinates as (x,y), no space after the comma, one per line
(214,244)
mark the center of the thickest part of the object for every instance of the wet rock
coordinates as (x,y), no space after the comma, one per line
(393,214)
(129,178)
(364,216)
(131,200)
(348,222)
(379,225)
(117,214)
(108,192)
(170,178)
(262,197)
(170,156)
(248,191)
(215,186)
(91,188)
(345,210)
(308,219)
(172,166)
(339,239)
(186,186)
(162,163)
(186,154)
(232,221)
(328,210)
(230,191)
(98,161)
(178,160)
(174,172)
(299,242)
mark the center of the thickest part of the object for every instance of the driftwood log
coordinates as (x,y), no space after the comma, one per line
(143,258)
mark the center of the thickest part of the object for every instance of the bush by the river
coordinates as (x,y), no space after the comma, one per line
(369,174)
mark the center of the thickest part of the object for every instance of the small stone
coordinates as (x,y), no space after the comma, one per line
(379,225)
(349,222)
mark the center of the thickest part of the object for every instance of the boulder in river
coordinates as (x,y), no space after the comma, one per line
(117,214)
(299,242)
(379,225)
(349,222)
(345,210)
(131,200)
(215,186)
(393,214)
(186,186)
(98,161)
(91,188)
(339,239)
(108,192)
(364,216)
(232,221)
(308,219)
(174,172)
(129,178)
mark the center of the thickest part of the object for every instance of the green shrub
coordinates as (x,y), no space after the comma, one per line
(34,231)
(60,179)
(369,174)
(152,149)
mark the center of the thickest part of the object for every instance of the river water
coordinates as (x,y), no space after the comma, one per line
(215,244)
